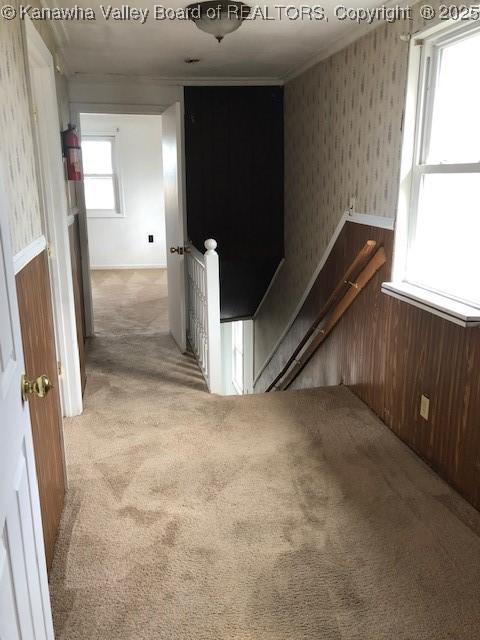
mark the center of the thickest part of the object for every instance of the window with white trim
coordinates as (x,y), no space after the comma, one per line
(442,252)
(101,180)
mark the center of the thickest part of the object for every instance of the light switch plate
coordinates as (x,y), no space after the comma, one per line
(424,407)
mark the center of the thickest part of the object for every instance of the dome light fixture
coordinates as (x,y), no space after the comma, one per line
(218,17)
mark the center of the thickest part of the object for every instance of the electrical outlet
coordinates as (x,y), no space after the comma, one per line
(150,237)
(424,406)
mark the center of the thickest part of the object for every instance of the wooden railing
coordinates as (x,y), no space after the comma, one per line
(203,322)
(357,276)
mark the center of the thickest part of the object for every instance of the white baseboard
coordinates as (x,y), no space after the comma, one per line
(382,222)
(104,267)
(26,255)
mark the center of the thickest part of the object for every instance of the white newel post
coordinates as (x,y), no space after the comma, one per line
(212,276)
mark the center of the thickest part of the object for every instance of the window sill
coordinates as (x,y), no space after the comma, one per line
(93,213)
(457,312)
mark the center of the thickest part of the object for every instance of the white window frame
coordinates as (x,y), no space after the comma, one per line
(119,211)
(425,52)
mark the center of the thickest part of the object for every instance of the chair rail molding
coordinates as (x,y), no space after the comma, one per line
(27,254)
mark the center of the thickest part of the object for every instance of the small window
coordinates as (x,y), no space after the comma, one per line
(442,219)
(100,176)
(237,348)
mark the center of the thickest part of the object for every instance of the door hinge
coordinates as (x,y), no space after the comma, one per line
(50,250)
(34,113)
(59,368)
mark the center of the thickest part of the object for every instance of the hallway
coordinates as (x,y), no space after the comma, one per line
(283,516)
(129,301)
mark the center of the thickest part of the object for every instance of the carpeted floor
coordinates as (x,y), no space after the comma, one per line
(287,516)
(130,301)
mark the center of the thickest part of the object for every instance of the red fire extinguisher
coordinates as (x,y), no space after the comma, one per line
(71,152)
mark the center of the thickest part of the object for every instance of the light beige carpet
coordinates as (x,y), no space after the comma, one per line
(287,516)
(129,301)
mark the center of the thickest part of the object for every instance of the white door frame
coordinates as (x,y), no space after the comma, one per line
(176,220)
(76,109)
(52,179)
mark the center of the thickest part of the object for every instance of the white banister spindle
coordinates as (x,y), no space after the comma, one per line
(212,282)
(204,312)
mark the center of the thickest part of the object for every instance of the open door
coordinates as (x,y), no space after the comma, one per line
(172,148)
(24,598)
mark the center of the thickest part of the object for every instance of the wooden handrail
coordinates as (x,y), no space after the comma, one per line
(378,260)
(350,275)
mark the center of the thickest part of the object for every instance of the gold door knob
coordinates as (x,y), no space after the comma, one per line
(39,387)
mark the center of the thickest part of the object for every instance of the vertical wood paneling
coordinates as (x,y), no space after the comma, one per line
(429,355)
(389,353)
(77,277)
(354,354)
(234,186)
(36,319)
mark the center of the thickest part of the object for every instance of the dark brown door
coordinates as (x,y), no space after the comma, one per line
(36,319)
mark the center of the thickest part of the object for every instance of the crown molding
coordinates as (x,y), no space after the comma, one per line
(118,78)
(59,30)
(233,81)
(61,64)
(336,45)
(60,38)
(349,37)
(355,32)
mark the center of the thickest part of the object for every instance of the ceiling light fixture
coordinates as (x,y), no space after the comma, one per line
(218,18)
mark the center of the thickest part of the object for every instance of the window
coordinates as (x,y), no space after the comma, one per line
(442,206)
(237,348)
(100,176)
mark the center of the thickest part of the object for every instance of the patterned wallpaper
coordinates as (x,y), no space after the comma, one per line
(342,138)
(16,139)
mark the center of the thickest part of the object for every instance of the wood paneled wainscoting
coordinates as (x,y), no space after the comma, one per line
(390,353)
(36,318)
(77,278)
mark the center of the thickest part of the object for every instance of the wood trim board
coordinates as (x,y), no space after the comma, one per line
(381,222)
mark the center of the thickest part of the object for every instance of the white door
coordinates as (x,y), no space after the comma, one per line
(172,147)
(24,599)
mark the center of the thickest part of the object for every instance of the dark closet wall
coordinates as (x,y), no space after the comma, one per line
(234,179)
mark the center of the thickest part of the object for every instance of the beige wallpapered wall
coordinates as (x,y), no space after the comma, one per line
(343,122)
(16,140)
(16,136)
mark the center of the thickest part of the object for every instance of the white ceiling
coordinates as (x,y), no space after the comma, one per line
(260,49)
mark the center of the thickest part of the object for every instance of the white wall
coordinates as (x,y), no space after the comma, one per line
(123,242)
(228,388)
(227,371)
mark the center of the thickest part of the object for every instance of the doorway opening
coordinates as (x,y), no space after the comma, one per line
(125,212)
